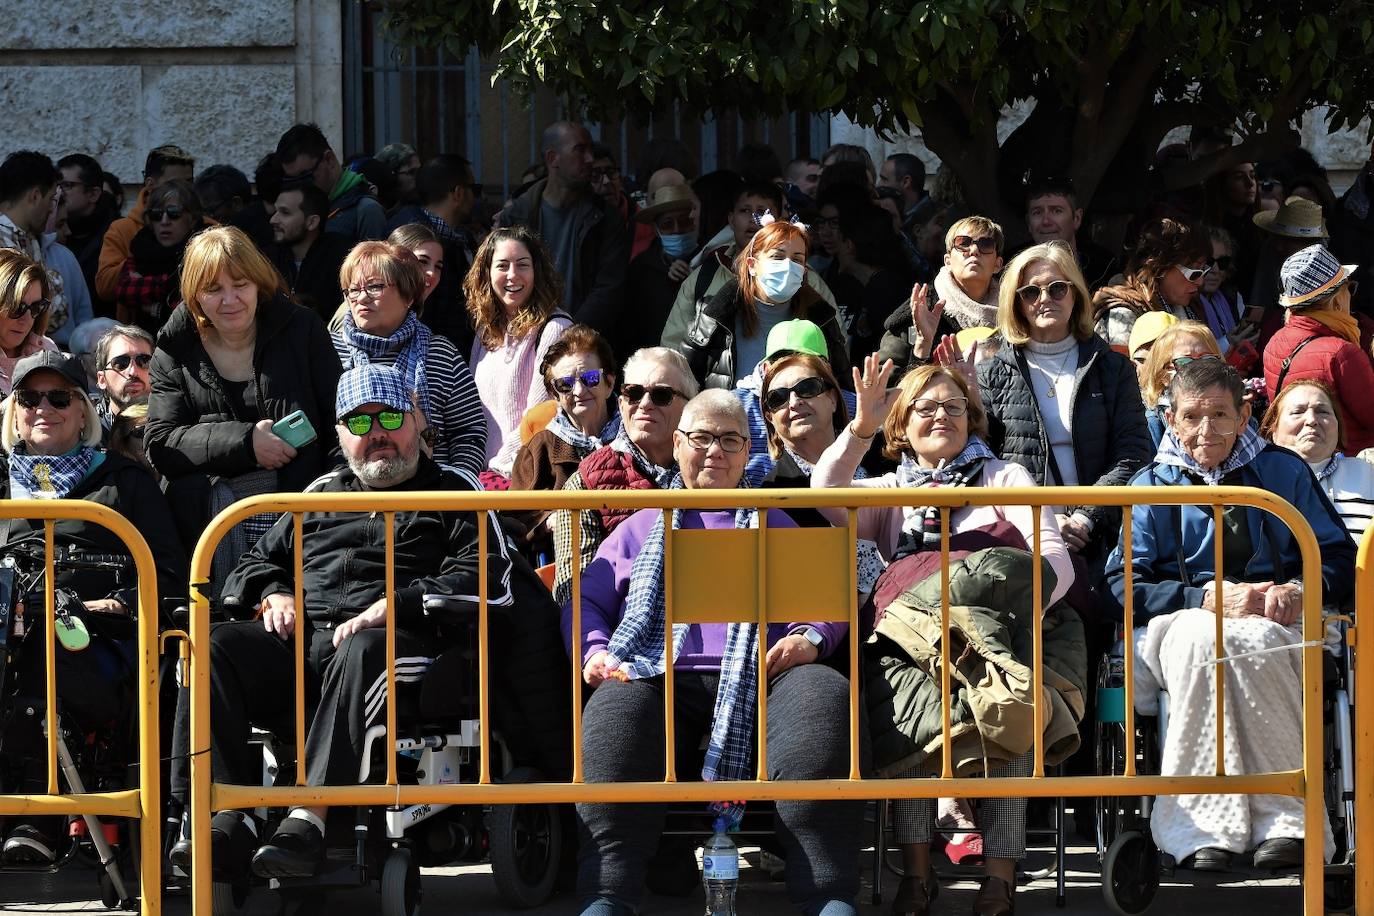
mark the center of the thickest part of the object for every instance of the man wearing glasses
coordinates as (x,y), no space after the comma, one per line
(89,213)
(122,357)
(307,158)
(344,618)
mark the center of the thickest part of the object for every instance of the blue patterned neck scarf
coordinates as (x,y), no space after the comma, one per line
(1172,452)
(921,524)
(409,344)
(50,476)
(661,476)
(564,428)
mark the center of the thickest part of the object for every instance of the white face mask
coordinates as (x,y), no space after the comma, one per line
(779,279)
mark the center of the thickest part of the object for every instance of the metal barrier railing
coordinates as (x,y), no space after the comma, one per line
(1305,783)
(142,803)
(1363,701)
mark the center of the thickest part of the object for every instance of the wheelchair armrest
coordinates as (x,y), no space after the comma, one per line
(449,607)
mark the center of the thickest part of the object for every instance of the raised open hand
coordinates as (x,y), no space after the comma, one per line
(874,398)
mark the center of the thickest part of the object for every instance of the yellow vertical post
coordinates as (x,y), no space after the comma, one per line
(576,550)
(1314,803)
(50,653)
(484,520)
(389,520)
(762,660)
(1220,674)
(198,677)
(1128,637)
(947,753)
(854,676)
(1037,642)
(149,777)
(1364,728)
(669,732)
(298,643)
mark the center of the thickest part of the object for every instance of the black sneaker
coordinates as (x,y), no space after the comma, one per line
(1208,858)
(1279,852)
(27,845)
(233,837)
(295,851)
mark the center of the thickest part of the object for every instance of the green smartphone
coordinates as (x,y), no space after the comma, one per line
(294,429)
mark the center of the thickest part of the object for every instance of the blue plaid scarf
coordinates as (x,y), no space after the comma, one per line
(661,476)
(409,343)
(637,646)
(50,476)
(564,428)
(1172,452)
(1327,467)
(921,524)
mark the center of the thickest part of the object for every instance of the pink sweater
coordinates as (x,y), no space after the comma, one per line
(509,382)
(32,344)
(883,525)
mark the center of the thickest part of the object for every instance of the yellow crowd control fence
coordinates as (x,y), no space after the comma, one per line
(141,803)
(1363,701)
(782,574)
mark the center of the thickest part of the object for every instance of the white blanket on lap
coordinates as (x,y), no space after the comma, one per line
(1263,727)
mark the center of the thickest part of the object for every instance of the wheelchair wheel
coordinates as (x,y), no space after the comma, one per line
(1130,873)
(525,843)
(400,884)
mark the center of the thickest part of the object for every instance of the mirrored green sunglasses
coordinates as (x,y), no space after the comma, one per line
(360,424)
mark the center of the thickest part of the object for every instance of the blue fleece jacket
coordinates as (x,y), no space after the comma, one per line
(1160,587)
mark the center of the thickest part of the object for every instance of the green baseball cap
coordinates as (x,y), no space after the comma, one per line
(796,336)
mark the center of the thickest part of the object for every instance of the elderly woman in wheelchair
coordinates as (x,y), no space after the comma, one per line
(1175,584)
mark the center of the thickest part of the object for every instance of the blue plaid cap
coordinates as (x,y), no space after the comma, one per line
(1311,275)
(370,384)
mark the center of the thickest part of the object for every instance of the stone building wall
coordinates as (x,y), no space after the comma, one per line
(220,78)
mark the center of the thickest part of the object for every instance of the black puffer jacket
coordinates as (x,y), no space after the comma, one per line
(710,342)
(130,490)
(192,425)
(1110,439)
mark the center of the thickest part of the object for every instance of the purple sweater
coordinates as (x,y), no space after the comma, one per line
(606,583)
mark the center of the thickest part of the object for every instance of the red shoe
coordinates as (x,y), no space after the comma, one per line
(968,852)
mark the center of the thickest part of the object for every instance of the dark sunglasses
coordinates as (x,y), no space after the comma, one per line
(1181,361)
(660,395)
(61,398)
(565,385)
(360,424)
(35,308)
(1057,290)
(122,362)
(807,388)
(155,215)
(985,245)
(1222,263)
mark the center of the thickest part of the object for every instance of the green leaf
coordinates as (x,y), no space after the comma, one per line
(849,59)
(937,34)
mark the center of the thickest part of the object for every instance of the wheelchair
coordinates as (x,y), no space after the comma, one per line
(1132,865)
(96,727)
(437,743)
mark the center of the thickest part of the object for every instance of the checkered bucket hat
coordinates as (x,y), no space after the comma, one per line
(1311,275)
(370,384)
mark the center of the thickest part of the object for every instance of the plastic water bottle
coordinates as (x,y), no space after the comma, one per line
(720,871)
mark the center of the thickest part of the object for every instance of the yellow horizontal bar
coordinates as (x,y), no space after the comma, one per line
(838,497)
(123,803)
(227,796)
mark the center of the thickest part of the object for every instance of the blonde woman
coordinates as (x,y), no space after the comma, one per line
(514,294)
(1179,344)
(25,293)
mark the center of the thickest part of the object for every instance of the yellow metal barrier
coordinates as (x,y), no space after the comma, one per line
(1363,701)
(142,803)
(1305,783)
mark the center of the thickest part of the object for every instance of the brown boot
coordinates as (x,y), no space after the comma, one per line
(915,896)
(995,898)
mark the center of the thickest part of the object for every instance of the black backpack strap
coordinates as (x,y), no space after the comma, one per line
(705,274)
(1288,362)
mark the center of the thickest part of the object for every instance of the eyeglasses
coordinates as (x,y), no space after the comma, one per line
(155,215)
(1180,361)
(370,291)
(806,389)
(1222,263)
(755,212)
(925,408)
(660,395)
(607,174)
(122,362)
(35,308)
(828,223)
(360,424)
(565,384)
(730,443)
(1222,426)
(60,398)
(1031,292)
(68,186)
(295,181)
(1193,274)
(965,243)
